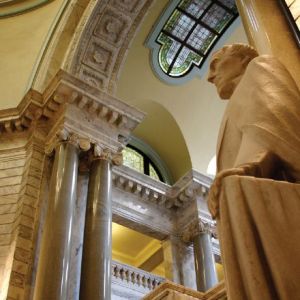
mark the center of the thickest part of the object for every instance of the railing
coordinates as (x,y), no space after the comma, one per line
(128,280)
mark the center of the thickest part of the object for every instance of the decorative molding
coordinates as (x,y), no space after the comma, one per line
(105,40)
(142,186)
(71,106)
(184,191)
(197,227)
(116,158)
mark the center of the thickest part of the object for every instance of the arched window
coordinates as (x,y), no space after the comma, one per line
(137,160)
(142,158)
(189,33)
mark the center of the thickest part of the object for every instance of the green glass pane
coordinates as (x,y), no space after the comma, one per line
(133,159)
(184,61)
(153,173)
(167,51)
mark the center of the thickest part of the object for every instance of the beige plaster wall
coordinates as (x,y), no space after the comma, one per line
(23,38)
(195,105)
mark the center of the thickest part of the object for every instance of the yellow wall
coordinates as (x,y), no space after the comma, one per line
(22,40)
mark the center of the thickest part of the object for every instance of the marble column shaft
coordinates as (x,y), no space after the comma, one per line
(54,260)
(96,260)
(206,275)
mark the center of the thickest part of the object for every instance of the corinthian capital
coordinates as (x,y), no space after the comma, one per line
(116,158)
(64,135)
(195,228)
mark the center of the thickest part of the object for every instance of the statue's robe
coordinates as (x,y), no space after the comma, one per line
(259,218)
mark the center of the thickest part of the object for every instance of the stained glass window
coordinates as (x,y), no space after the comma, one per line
(191,32)
(153,173)
(135,159)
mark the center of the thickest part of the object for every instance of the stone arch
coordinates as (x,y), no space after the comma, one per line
(91,41)
(105,40)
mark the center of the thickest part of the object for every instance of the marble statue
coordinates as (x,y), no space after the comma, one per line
(255,196)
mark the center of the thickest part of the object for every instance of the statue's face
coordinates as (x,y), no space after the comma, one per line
(225,72)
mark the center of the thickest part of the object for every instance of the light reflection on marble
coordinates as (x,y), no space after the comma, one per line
(77,238)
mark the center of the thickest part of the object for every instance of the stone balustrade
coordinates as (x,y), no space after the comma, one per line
(132,283)
(135,276)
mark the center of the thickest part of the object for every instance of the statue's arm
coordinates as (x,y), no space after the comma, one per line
(252,160)
(255,159)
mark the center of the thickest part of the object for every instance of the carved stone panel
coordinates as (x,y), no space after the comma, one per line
(99,56)
(112,27)
(93,78)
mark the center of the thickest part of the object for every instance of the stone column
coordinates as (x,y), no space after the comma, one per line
(206,274)
(96,260)
(54,260)
(179,262)
(172,262)
(268,37)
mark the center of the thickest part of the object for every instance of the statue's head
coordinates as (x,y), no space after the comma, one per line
(228,66)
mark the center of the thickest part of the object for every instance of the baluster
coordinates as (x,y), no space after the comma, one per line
(139,279)
(128,275)
(122,274)
(144,281)
(154,283)
(149,283)
(117,271)
(133,277)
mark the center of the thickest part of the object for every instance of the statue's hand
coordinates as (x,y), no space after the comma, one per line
(215,189)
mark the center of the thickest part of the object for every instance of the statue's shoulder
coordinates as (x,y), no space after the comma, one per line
(266,61)
(267,69)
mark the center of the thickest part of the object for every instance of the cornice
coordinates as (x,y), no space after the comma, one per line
(79,108)
(185,190)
